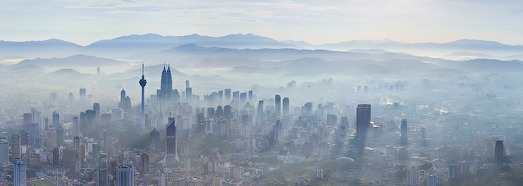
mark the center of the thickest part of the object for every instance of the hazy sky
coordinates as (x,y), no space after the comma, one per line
(313,21)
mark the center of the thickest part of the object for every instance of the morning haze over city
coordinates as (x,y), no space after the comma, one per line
(248,93)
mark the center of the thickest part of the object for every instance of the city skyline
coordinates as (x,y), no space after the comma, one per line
(313,22)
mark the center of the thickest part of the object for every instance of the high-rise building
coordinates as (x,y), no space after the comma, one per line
(70,157)
(125,175)
(171,146)
(16,146)
(277,106)
(142,83)
(277,132)
(166,85)
(83,96)
(144,163)
(96,108)
(286,106)
(251,96)
(71,99)
(123,94)
(4,151)
(55,119)
(188,91)
(259,111)
(363,115)
(101,177)
(404,137)
(154,141)
(56,157)
(20,172)
(227,96)
(499,152)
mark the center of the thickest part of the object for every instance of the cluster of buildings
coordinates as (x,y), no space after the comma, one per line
(222,139)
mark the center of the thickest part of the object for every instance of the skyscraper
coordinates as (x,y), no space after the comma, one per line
(363,114)
(286,106)
(96,108)
(499,152)
(125,175)
(83,96)
(4,151)
(55,119)
(154,140)
(277,106)
(166,84)
(404,137)
(20,172)
(144,163)
(143,82)
(188,91)
(16,146)
(171,146)
(227,96)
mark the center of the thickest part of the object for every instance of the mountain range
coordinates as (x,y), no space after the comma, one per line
(131,45)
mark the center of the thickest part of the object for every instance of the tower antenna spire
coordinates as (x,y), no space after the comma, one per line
(142,69)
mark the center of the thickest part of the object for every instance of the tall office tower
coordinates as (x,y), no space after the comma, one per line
(36,115)
(227,112)
(277,106)
(26,119)
(166,84)
(16,146)
(70,157)
(363,114)
(46,123)
(71,99)
(31,126)
(56,119)
(404,137)
(188,91)
(77,142)
(24,137)
(76,126)
(101,177)
(219,111)
(60,136)
(144,163)
(95,153)
(142,82)
(96,108)
(236,98)
(56,157)
(220,97)
(344,123)
(154,141)
(332,119)
(243,98)
(276,132)
(20,172)
(499,152)
(171,146)
(307,109)
(259,112)
(122,98)
(227,96)
(83,96)
(286,106)
(4,151)
(210,112)
(125,175)
(251,96)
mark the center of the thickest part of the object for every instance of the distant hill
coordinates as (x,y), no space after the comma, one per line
(45,48)
(76,61)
